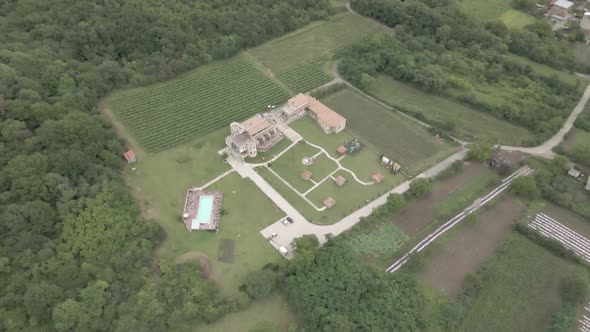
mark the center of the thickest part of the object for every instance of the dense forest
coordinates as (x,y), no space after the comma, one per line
(74,253)
(439,49)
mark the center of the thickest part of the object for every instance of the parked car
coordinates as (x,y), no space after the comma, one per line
(283,250)
(284,220)
(290,220)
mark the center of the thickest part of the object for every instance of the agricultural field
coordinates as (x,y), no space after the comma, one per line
(267,314)
(568,218)
(159,185)
(521,291)
(414,220)
(164,115)
(491,10)
(390,133)
(469,122)
(468,246)
(302,59)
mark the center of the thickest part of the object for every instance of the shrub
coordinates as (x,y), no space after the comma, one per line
(419,187)
(259,284)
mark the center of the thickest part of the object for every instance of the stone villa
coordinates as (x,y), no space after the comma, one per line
(258,133)
(330,121)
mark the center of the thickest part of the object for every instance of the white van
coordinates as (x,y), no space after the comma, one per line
(283,250)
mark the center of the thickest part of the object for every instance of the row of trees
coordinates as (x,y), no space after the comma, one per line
(74,252)
(439,49)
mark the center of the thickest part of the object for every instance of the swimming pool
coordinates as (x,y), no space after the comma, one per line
(204,212)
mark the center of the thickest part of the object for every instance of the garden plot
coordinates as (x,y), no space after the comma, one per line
(570,239)
(469,246)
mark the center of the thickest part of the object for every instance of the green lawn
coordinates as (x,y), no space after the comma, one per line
(267,155)
(521,293)
(289,166)
(348,197)
(364,163)
(166,114)
(484,10)
(300,59)
(516,19)
(311,131)
(392,134)
(271,311)
(160,183)
(491,10)
(469,122)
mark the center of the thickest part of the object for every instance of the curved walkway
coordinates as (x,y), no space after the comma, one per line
(545,149)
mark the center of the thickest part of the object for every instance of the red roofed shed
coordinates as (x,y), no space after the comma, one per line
(130,156)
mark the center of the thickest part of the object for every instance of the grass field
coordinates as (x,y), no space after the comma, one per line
(577,140)
(311,131)
(470,123)
(289,166)
(271,311)
(160,183)
(491,10)
(301,59)
(402,139)
(582,52)
(163,115)
(521,293)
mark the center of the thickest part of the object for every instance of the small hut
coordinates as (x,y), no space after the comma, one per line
(306,175)
(329,202)
(130,156)
(377,177)
(340,180)
(341,150)
(396,167)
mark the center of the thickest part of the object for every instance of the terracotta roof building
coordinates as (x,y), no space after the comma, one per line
(257,133)
(341,150)
(306,175)
(377,177)
(340,180)
(329,202)
(330,121)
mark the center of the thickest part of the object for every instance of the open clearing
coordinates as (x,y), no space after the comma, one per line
(160,183)
(470,123)
(522,290)
(163,115)
(397,137)
(491,10)
(545,70)
(272,310)
(469,246)
(300,59)
(576,143)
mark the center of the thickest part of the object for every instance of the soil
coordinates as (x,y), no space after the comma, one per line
(420,213)
(205,267)
(470,245)
(568,218)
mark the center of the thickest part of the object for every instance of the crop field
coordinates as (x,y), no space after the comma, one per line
(470,123)
(522,292)
(392,134)
(164,115)
(469,245)
(300,59)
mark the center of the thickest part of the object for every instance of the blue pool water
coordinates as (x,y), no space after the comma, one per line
(205,210)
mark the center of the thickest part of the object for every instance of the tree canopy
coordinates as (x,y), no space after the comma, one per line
(74,252)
